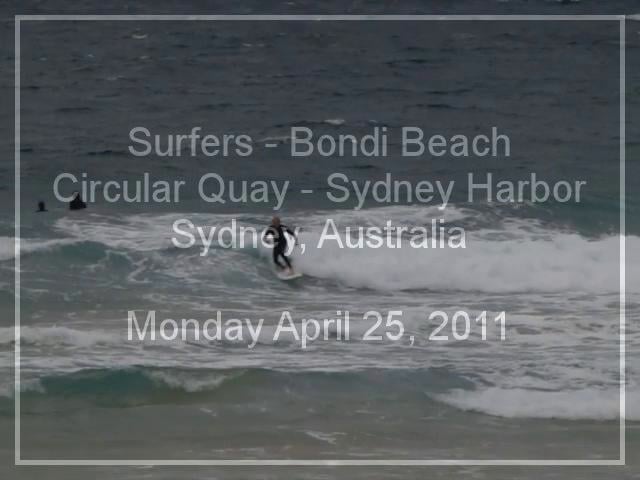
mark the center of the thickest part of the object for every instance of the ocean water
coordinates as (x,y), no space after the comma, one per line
(549,390)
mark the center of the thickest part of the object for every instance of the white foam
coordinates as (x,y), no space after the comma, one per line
(335,121)
(189,382)
(592,403)
(55,335)
(555,263)
(514,255)
(330,438)
(28,245)
(133,233)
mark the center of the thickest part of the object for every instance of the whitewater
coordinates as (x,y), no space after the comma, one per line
(560,358)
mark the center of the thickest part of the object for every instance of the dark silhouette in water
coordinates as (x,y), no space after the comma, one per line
(41,207)
(77,203)
(277,231)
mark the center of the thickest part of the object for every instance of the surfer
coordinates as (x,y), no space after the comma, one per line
(277,231)
(77,203)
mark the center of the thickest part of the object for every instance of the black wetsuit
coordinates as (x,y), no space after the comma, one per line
(77,203)
(279,243)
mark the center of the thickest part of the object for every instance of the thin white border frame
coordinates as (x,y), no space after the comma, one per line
(621,19)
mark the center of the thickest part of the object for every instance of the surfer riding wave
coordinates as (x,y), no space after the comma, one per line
(277,233)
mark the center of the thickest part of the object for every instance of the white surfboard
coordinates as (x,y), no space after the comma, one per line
(285,275)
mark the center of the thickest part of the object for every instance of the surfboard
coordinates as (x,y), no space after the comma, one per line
(288,276)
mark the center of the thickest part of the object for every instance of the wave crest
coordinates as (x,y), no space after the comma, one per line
(585,404)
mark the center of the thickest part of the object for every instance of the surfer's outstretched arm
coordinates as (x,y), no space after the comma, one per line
(291,232)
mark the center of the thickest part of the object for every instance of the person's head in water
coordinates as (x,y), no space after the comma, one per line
(41,206)
(275,221)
